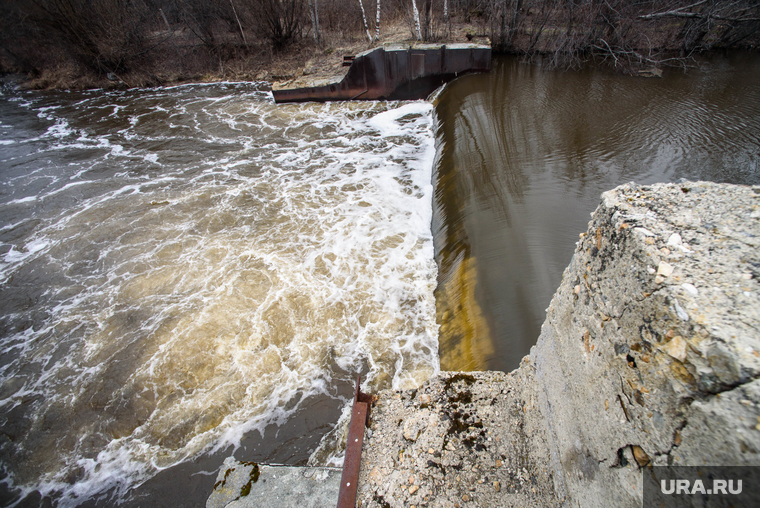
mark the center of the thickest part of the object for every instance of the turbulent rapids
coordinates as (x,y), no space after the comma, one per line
(181,267)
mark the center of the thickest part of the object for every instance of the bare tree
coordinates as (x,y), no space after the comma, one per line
(416,16)
(628,35)
(314,13)
(427,20)
(446,17)
(364,17)
(125,37)
(279,21)
(105,36)
(200,17)
(240,25)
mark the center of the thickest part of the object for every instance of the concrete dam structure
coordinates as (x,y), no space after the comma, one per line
(396,72)
(649,357)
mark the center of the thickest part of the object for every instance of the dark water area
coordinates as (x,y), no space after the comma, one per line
(523,155)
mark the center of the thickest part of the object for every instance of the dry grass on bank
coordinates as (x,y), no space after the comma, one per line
(175,41)
(186,61)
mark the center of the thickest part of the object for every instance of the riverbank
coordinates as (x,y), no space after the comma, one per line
(256,61)
(650,344)
(76,45)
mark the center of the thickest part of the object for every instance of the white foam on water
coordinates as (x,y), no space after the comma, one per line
(60,129)
(197,301)
(16,257)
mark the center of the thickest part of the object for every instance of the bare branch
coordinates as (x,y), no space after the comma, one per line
(677,13)
(661,14)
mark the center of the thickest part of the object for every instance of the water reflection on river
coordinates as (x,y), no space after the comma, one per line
(523,156)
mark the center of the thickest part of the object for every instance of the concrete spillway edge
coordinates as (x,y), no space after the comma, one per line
(649,355)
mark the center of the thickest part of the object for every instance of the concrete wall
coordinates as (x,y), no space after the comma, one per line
(650,354)
(651,346)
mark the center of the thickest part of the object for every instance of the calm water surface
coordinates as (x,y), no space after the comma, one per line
(523,156)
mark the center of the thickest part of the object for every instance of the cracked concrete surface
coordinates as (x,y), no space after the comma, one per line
(650,354)
(251,485)
(461,439)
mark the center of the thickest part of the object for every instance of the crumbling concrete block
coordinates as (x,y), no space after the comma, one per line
(649,355)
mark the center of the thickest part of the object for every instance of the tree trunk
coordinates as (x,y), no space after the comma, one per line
(416,20)
(234,11)
(515,22)
(446,16)
(166,21)
(427,33)
(314,19)
(364,17)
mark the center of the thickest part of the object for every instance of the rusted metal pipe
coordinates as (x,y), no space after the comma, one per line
(352,463)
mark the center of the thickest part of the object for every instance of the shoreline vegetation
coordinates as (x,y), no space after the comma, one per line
(80,44)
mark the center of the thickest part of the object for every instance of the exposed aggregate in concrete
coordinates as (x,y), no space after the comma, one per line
(649,355)
(461,439)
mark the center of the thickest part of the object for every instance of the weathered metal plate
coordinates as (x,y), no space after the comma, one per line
(418,65)
(397,73)
(352,461)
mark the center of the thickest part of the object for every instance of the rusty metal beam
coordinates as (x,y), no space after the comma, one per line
(352,462)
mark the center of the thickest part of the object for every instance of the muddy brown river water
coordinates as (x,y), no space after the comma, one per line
(191,272)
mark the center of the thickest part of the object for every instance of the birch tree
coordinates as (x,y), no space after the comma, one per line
(314,13)
(316,20)
(416,13)
(364,17)
(446,11)
(377,22)
(240,25)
